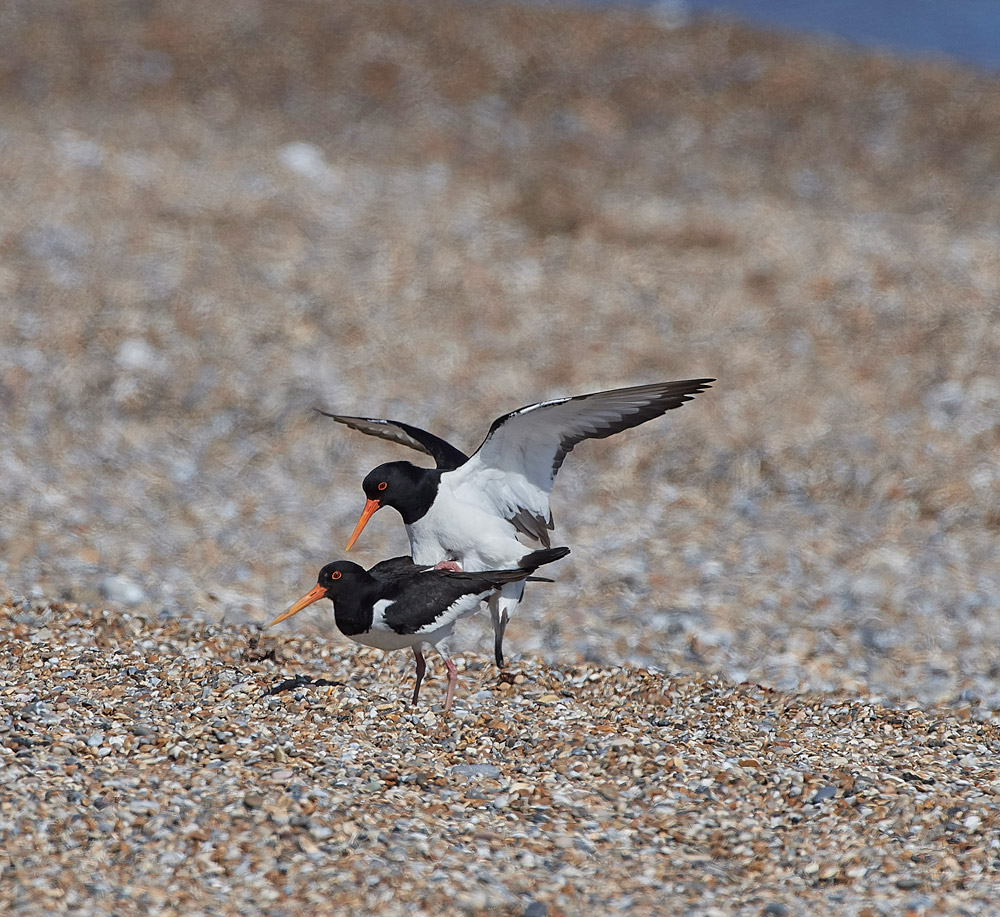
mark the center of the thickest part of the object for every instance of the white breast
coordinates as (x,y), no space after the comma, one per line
(470,533)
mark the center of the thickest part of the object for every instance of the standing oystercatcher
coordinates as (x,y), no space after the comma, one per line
(467,512)
(398,603)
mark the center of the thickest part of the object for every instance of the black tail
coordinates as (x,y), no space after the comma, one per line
(536,559)
(526,566)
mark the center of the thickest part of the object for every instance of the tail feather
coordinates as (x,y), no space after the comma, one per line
(526,567)
(536,559)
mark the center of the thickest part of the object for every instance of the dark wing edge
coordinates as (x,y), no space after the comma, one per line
(445,455)
(663,397)
(533,526)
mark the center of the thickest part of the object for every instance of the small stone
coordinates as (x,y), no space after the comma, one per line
(307,845)
(135,354)
(144,806)
(477,770)
(253,800)
(824,792)
(116,588)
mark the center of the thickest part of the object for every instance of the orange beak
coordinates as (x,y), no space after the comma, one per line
(314,595)
(366,514)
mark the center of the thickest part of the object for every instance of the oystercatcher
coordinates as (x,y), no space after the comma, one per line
(467,512)
(399,603)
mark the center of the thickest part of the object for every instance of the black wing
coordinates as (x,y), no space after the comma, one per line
(396,570)
(445,455)
(439,597)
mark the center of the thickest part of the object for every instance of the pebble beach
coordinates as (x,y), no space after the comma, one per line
(765,681)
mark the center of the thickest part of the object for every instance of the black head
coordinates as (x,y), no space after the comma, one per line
(408,489)
(334,580)
(339,575)
(395,484)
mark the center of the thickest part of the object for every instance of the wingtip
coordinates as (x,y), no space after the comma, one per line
(541,557)
(695,385)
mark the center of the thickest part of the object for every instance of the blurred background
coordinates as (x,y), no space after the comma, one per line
(217,217)
(966,30)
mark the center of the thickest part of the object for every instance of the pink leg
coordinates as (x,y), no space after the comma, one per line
(452,681)
(419,657)
(448,565)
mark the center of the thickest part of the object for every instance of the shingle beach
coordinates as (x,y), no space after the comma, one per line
(766,680)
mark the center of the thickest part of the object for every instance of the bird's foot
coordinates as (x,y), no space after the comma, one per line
(448,565)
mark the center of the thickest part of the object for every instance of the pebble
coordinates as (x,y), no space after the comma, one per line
(144,806)
(119,589)
(476,770)
(596,779)
(824,792)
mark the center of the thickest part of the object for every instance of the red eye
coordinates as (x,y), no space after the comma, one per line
(336,574)
(382,485)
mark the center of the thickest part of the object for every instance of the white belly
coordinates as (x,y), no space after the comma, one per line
(385,639)
(475,538)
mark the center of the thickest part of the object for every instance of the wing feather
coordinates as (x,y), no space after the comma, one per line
(439,597)
(516,465)
(445,455)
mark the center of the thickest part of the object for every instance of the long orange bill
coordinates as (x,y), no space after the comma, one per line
(314,595)
(366,514)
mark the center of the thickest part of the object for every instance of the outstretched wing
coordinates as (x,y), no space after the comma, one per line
(445,455)
(516,465)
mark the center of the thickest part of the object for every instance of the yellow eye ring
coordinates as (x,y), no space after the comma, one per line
(336,574)
(383,485)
